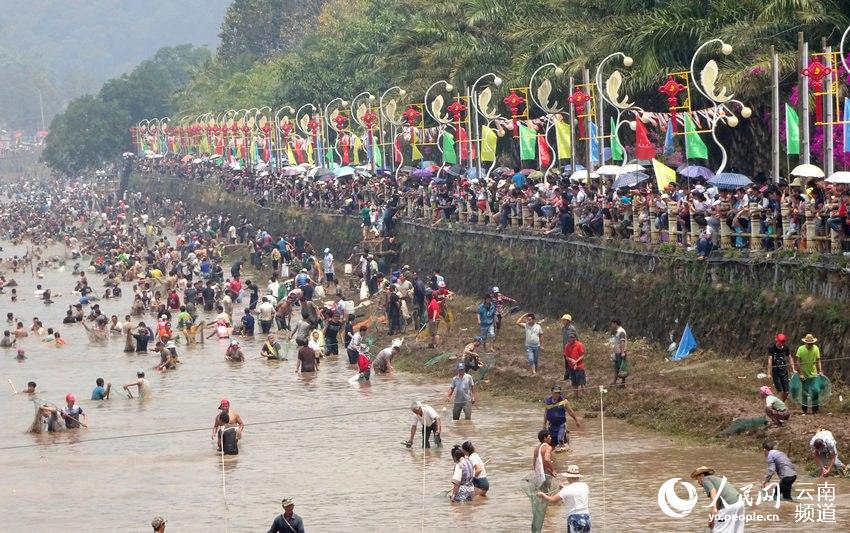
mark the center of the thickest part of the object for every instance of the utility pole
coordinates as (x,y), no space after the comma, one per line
(774,140)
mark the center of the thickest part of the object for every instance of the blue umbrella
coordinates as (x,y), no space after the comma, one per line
(426,164)
(695,171)
(630,179)
(342,172)
(730,180)
(569,168)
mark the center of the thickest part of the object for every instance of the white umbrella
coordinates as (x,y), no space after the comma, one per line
(839,177)
(609,170)
(634,167)
(807,171)
(579,175)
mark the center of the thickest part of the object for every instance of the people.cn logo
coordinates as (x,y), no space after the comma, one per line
(670,502)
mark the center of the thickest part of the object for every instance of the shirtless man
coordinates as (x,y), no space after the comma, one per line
(227,418)
(541,462)
(141,383)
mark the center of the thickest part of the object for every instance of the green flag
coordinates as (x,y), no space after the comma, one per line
(329,155)
(616,148)
(792,131)
(527,143)
(379,160)
(694,147)
(449,154)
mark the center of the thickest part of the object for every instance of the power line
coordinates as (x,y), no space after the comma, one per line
(195,430)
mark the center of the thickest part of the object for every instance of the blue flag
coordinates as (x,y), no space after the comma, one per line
(594,143)
(846,125)
(668,139)
(686,345)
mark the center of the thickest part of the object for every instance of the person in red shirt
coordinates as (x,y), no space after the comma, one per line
(433,319)
(235,287)
(364,365)
(574,362)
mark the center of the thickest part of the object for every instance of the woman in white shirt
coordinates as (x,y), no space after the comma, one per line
(462,489)
(479,477)
(574,495)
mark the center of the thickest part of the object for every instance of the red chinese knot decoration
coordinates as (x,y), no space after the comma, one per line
(816,72)
(671,89)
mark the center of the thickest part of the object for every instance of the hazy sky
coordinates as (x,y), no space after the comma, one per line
(70,47)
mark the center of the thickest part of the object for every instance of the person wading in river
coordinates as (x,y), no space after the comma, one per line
(427,416)
(727,506)
(555,418)
(227,429)
(574,495)
(542,463)
(288,522)
(463,388)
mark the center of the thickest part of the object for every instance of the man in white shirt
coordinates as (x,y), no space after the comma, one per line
(328,267)
(266,314)
(574,495)
(426,415)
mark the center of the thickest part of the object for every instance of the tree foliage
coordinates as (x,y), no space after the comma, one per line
(259,28)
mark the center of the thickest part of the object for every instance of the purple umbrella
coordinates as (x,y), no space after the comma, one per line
(422,173)
(695,171)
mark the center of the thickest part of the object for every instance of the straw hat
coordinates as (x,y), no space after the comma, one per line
(286,502)
(702,470)
(567,317)
(573,472)
(809,339)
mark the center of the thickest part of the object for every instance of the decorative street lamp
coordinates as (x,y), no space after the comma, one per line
(705,84)
(387,113)
(611,96)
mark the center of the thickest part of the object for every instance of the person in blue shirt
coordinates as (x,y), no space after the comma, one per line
(518,178)
(205,268)
(247,323)
(486,319)
(555,418)
(302,278)
(99,392)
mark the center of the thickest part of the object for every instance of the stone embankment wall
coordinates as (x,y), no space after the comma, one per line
(735,307)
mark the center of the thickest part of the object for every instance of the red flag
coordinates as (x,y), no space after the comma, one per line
(267,156)
(643,148)
(464,144)
(398,155)
(299,150)
(219,144)
(343,143)
(543,150)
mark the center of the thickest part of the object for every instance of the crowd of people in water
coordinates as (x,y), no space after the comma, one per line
(185,290)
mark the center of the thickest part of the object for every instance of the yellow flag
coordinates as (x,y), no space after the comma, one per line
(664,175)
(309,152)
(564,139)
(358,145)
(488,144)
(290,155)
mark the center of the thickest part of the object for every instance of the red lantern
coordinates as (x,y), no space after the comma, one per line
(369,118)
(456,109)
(411,115)
(671,89)
(340,121)
(579,99)
(816,72)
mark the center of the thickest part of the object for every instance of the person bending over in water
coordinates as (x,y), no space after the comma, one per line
(227,429)
(141,383)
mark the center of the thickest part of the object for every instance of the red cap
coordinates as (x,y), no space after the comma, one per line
(225,403)
(780,337)
(70,398)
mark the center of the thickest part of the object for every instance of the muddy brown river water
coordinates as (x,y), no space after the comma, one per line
(332,446)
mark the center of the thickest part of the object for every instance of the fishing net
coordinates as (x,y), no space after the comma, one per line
(437,358)
(486,368)
(810,392)
(743,424)
(529,487)
(45,421)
